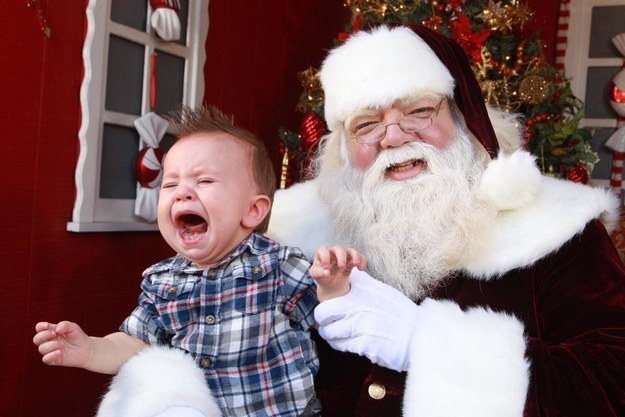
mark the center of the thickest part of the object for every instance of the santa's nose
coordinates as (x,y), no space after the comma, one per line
(395,136)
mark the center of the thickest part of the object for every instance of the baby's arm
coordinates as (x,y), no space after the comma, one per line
(331,269)
(66,344)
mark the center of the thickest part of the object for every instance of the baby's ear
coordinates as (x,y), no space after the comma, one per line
(258,210)
(511,181)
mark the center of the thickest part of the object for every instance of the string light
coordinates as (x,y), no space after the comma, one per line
(43,22)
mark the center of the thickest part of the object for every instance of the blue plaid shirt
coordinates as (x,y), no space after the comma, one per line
(246,322)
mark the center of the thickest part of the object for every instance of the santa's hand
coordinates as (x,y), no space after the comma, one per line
(373,320)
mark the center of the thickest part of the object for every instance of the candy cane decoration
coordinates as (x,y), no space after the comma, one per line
(165,20)
(562,33)
(616,142)
(148,169)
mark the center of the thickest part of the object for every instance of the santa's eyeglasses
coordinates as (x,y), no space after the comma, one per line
(368,131)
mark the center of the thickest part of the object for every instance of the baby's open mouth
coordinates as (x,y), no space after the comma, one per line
(191,225)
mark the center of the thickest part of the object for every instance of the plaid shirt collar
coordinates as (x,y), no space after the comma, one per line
(255,244)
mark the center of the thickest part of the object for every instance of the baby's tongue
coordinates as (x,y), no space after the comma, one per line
(194,225)
(196,228)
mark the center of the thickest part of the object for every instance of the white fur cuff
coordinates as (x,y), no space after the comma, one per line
(466,363)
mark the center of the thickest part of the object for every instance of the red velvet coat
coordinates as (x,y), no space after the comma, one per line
(572,303)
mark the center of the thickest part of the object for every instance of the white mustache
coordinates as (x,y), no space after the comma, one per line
(407,152)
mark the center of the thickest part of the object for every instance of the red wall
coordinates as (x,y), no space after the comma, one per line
(254,51)
(545,23)
(49,273)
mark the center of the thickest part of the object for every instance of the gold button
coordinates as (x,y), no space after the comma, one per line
(212,273)
(205,362)
(210,319)
(171,289)
(377,391)
(256,270)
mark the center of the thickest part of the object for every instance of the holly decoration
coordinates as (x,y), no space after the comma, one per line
(507,60)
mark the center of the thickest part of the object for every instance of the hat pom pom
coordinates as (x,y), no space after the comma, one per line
(511,181)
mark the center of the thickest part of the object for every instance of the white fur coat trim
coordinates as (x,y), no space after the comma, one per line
(154,380)
(466,363)
(299,218)
(558,210)
(524,235)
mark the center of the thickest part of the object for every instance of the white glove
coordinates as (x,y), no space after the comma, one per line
(373,320)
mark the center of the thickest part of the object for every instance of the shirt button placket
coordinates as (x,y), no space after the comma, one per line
(210,337)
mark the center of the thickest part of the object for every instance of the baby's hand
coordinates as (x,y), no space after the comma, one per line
(331,269)
(63,344)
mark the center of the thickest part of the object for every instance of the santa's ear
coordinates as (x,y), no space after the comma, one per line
(258,210)
(511,181)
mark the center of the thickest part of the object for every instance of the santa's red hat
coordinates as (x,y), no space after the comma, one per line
(376,67)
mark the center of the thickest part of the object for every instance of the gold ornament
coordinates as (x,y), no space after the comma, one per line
(557,151)
(377,7)
(519,14)
(313,94)
(533,89)
(500,94)
(309,79)
(504,18)
(484,65)
(284,174)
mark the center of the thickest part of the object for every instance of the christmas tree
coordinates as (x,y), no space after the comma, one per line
(507,60)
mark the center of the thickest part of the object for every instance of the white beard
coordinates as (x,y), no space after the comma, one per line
(416,232)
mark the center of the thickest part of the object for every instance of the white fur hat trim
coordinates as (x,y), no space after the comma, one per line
(356,75)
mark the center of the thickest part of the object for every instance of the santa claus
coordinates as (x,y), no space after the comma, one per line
(496,291)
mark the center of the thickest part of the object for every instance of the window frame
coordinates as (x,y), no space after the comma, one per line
(92,213)
(577,57)
(577,60)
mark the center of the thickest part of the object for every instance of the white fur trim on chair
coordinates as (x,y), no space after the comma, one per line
(155,380)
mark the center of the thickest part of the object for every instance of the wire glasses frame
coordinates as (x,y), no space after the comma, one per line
(370,133)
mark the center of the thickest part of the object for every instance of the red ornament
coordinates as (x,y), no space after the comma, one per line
(148,167)
(433,22)
(578,174)
(456,4)
(618,95)
(311,130)
(168,4)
